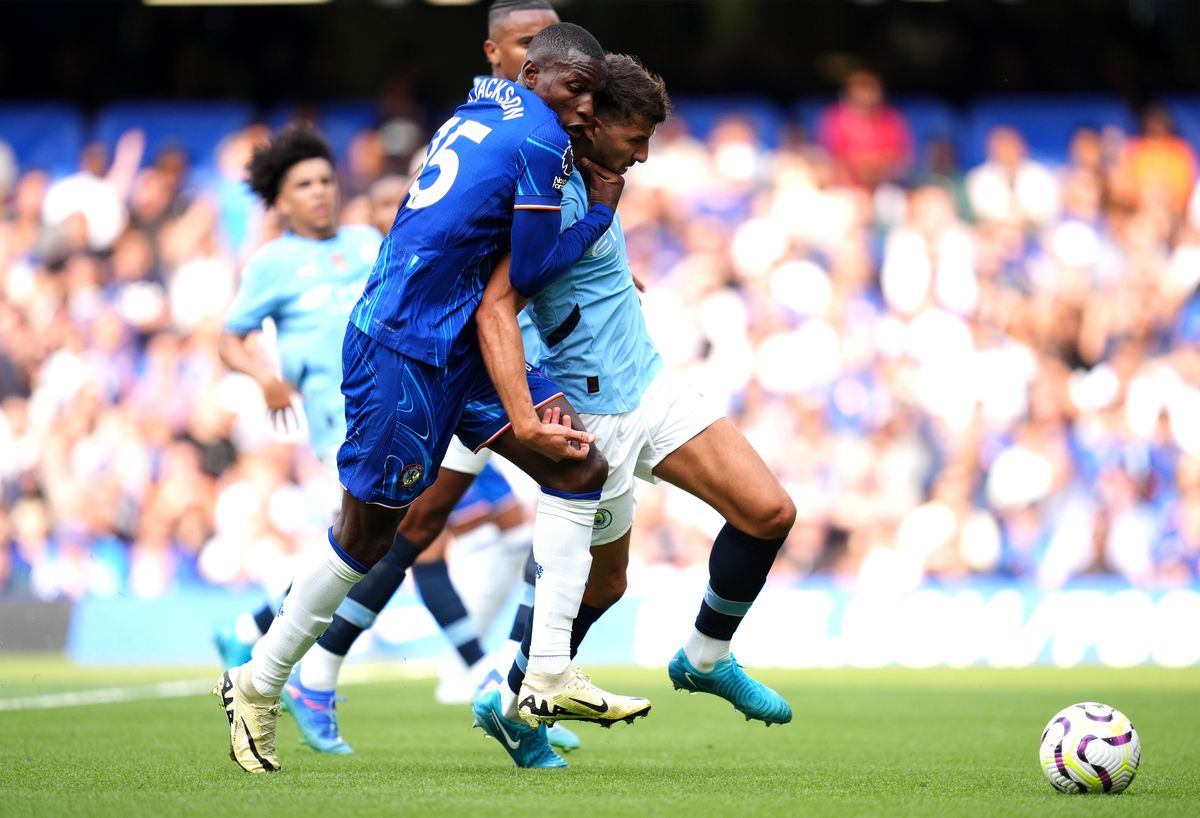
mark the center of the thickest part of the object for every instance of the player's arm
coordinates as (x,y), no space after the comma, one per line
(257,299)
(238,354)
(504,355)
(540,253)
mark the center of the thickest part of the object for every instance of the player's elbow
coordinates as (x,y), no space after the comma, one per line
(227,346)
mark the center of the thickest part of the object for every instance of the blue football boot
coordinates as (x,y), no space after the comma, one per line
(315,712)
(234,652)
(527,746)
(561,738)
(753,699)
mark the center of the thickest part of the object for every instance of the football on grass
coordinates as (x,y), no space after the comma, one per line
(1090,747)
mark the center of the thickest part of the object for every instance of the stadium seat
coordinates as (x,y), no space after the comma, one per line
(702,114)
(339,120)
(43,134)
(198,126)
(1047,123)
(929,118)
(808,112)
(1185,110)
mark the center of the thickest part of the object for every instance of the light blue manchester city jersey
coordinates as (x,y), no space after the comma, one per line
(308,287)
(594,340)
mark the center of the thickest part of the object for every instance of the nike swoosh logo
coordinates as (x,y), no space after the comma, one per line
(512,745)
(599,708)
(688,676)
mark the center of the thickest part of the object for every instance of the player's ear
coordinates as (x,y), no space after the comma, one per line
(591,128)
(529,74)
(492,52)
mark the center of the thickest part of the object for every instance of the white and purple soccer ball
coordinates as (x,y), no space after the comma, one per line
(1090,747)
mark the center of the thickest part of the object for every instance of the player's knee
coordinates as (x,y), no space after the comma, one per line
(423,524)
(582,476)
(614,587)
(773,518)
(362,538)
(604,590)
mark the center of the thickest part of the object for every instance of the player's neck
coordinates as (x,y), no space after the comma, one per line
(306,231)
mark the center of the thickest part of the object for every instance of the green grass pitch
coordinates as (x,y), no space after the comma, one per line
(863,742)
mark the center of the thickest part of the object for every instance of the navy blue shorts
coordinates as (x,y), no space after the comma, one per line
(401,413)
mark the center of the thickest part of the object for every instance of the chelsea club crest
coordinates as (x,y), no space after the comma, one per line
(410,476)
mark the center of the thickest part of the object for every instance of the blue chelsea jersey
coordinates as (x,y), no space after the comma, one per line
(594,340)
(308,287)
(502,150)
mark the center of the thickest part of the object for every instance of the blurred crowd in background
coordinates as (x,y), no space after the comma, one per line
(988,370)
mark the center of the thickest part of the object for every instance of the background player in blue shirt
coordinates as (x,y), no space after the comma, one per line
(412,373)
(649,425)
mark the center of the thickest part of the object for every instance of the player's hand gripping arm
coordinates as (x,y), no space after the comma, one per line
(504,355)
(236,352)
(540,254)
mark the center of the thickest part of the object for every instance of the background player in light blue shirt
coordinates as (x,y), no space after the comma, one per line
(648,424)
(306,281)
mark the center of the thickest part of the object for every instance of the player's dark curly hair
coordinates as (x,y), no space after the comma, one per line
(502,8)
(270,163)
(553,44)
(632,91)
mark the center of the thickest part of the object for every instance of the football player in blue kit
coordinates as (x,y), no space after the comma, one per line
(649,425)
(413,375)
(310,693)
(277,284)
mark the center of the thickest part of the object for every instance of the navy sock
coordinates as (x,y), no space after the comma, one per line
(737,570)
(516,673)
(368,597)
(443,601)
(517,634)
(265,615)
(587,616)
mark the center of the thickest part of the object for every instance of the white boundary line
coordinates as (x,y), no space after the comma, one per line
(109,695)
(182,688)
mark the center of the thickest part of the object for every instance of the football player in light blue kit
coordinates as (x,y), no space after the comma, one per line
(649,425)
(306,281)
(413,377)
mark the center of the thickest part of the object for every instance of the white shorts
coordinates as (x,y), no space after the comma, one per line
(671,413)
(461,459)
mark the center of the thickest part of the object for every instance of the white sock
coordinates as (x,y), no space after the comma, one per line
(307,612)
(704,652)
(518,540)
(320,669)
(508,703)
(562,539)
(483,573)
(246,629)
